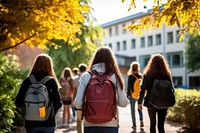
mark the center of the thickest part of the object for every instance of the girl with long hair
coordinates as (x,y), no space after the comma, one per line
(133,93)
(103,61)
(42,67)
(157,68)
(66,82)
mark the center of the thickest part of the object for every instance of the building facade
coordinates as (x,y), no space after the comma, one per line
(130,47)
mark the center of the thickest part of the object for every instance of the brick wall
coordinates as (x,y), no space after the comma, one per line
(26,55)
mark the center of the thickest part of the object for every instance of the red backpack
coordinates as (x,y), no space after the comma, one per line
(99,105)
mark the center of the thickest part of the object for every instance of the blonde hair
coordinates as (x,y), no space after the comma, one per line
(44,62)
(134,68)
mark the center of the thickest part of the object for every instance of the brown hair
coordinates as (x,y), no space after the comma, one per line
(44,62)
(134,68)
(157,67)
(105,55)
(82,67)
(75,71)
(67,74)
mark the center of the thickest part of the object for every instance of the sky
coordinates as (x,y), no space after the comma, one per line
(109,10)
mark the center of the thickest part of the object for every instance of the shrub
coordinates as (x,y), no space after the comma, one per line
(9,72)
(187,108)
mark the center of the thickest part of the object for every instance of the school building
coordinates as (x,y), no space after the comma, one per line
(130,47)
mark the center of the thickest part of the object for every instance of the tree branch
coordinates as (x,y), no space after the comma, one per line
(17,43)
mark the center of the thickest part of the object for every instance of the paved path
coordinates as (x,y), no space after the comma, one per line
(125,123)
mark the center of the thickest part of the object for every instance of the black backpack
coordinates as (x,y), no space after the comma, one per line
(162,94)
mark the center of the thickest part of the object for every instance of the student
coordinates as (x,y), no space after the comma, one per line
(66,81)
(42,67)
(75,75)
(103,62)
(133,93)
(82,68)
(157,68)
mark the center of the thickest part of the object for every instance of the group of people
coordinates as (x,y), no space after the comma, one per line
(156,68)
(103,61)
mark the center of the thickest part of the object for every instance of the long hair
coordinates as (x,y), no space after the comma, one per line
(44,62)
(67,75)
(157,67)
(105,55)
(134,68)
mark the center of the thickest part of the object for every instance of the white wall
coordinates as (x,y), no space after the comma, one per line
(149,50)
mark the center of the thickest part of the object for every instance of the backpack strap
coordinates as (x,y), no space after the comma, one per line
(32,79)
(45,79)
(135,76)
(92,72)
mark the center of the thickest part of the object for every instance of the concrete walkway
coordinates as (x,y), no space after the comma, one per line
(125,123)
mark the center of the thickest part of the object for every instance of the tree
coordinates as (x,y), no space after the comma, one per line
(183,13)
(192,53)
(71,55)
(66,55)
(36,22)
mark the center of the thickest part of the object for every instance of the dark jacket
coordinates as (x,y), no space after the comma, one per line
(147,83)
(54,96)
(131,81)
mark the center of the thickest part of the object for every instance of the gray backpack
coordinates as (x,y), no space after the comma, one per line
(37,104)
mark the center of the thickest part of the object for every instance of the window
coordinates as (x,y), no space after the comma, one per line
(150,40)
(169,37)
(110,32)
(177,81)
(178,36)
(158,39)
(175,59)
(144,60)
(116,30)
(142,42)
(118,46)
(124,45)
(194,82)
(133,59)
(110,45)
(133,44)
(124,30)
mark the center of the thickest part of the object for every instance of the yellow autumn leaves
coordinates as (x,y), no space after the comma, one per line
(36,22)
(183,13)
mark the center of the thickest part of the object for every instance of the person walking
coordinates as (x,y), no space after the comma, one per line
(75,75)
(157,68)
(133,89)
(66,81)
(103,62)
(82,68)
(42,67)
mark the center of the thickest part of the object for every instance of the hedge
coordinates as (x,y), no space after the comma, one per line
(186,109)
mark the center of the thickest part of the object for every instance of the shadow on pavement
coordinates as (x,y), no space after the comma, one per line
(141,131)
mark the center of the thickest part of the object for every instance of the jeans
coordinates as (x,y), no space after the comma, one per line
(132,105)
(40,130)
(73,111)
(161,119)
(101,129)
